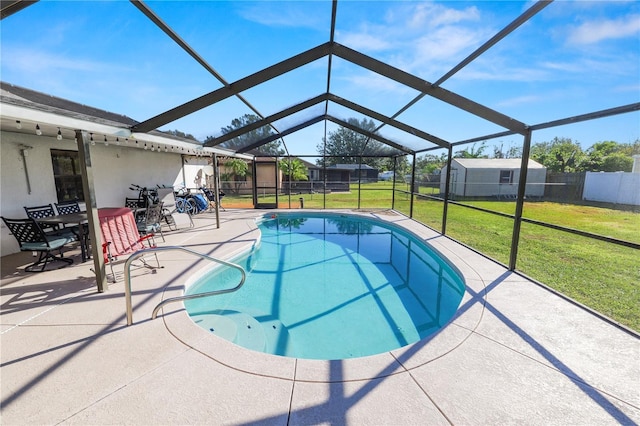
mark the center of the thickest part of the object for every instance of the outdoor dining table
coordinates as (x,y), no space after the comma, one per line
(70,219)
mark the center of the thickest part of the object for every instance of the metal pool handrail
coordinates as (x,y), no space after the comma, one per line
(140,253)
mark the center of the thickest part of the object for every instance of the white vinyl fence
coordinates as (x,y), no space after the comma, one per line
(617,187)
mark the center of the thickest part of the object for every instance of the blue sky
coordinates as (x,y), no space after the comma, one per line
(571,58)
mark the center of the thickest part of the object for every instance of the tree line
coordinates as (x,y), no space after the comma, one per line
(346,146)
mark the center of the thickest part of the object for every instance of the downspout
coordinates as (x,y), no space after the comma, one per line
(184,177)
(24,151)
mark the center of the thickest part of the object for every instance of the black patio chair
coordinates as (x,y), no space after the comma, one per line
(137,206)
(71,207)
(68,207)
(212,198)
(38,212)
(31,237)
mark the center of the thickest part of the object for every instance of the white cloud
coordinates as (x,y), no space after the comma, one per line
(290,14)
(366,42)
(444,43)
(425,38)
(595,31)
(35,61)
(434,15)
(505,74)
(377,83)
(520,100)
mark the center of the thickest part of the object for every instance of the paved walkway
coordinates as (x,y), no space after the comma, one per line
(514,354)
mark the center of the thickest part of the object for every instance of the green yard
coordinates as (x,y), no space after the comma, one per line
(600,275)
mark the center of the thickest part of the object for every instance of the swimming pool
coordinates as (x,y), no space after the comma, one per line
(330,286)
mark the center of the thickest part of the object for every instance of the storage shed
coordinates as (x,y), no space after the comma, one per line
(493,177)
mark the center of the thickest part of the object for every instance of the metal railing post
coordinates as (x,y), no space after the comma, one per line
(140,253)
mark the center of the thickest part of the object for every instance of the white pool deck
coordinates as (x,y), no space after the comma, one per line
(515,354)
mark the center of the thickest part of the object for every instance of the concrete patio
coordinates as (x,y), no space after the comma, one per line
(515,353)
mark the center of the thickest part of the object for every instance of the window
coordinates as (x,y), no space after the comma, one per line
(66,174)
(506,176)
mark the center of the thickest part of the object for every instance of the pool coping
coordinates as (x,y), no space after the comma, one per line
(397,361)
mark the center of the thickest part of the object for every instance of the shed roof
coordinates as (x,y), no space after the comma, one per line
(495,163)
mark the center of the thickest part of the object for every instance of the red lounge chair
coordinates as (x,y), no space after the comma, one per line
(120,236)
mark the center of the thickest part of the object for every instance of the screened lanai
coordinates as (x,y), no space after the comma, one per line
(412,80)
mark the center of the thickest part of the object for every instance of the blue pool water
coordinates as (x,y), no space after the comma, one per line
(330,286)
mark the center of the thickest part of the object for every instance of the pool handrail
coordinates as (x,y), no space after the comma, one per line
(140,253)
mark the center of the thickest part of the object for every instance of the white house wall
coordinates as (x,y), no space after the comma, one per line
(115,168)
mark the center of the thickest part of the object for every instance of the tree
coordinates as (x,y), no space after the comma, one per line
(631,149)
(249,138)
(180,134)
(293,169)
(346,146)
(512,152)
(234,173)
(473,153)
(430,164)
(617,162)
(560,155)
(609,156)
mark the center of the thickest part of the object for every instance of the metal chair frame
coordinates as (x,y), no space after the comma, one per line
(31,237)
(39,212)
(152,218)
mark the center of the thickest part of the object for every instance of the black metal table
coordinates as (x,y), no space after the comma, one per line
(71,219)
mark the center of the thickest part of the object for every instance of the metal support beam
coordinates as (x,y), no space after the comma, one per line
(561,122)
(285,132)
(359,179)
(314,101)
(522,186)
(265,121)
(447,185)
(216,188)
(9,7)
(369,134)
(389,121)
(233,88)
(591,116)
(413,182)
(528,14)
(393,183)
(426,87)
(85,157)
(332,33)
(175,37)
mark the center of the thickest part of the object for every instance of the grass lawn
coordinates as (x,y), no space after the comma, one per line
(603,276)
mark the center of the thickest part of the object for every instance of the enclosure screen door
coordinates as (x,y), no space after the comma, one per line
(265,184)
